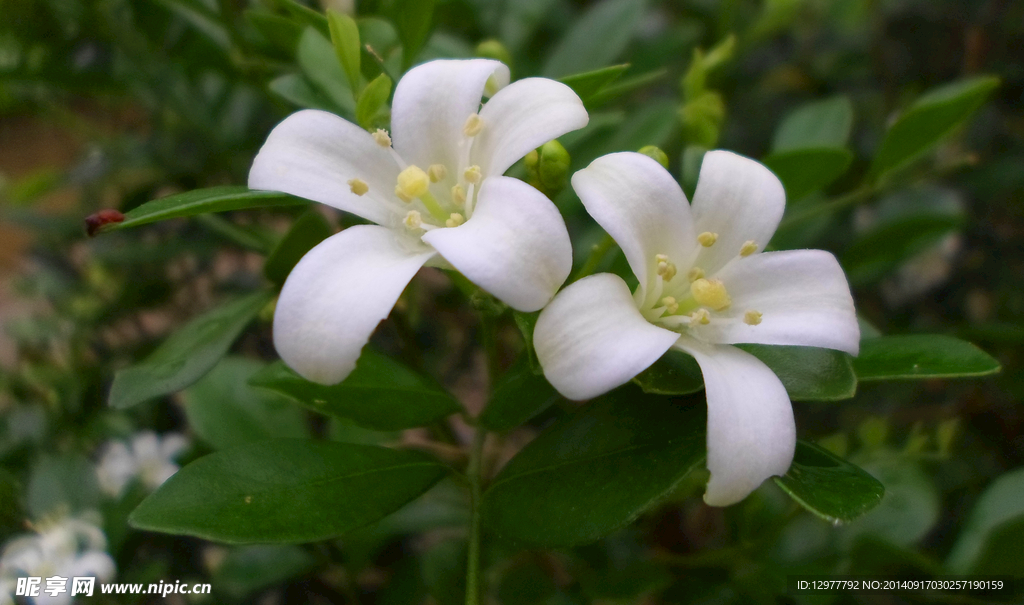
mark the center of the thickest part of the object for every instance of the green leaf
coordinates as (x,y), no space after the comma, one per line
(345,37)
(201,201)
(595,471)
(296,89)
(186,355)
(626,85)
(372,99)
(588,84)
(675,373)
(379,394)
(526,322)
(307,231)
(1000,505)
(317,60)
(60,485)
(804,171)
(829,487)
(913,356)
(281,32)
(930,119)
(814,125)
(808,373)
(225,411)
(303,14)
(286,490)
(247,569)
(596,38)
(908,511)
(202,19)
(412,20)
(519,395)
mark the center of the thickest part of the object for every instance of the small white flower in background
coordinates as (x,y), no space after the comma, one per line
(434,188)
(148,457)
(704,284)
(67,548)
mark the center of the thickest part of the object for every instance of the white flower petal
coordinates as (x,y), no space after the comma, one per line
(803,298)
(314,154)
(515,245)
(92,563)
(523,116)
(751,431)
(641,206)
(592,338)
(740,200)
(334,298)
(172,445)
(432,102)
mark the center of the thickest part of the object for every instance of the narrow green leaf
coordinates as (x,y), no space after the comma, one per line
(379,394)
(913,356)
(372,99)
(999,511)
(519,395)
(303,14)
(202,19)
(829,487)
(882,249)
(809,373)
(595,471)
(626,85)
(814,125)
(588,84)
(318,62)
(186,355)
(596,38)
(225,411)
(201,201)
(296,89)
(526,322)
(286,490)
(307,231)
(807,170)
(930,119)
(345,37)
(281,32)
(412,19)
(908,511)
(676,373)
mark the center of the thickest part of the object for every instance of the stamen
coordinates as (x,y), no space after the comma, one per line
(707,239)
(382,138)
(670,305)
(666,270)
(413,220)
(412,183)
(752,318)
(710,293)
(437,172)
(749,247)
(473,125)
(695,274)
(700,316)
(455,220)
(358,186)
(459,195)
(473,174)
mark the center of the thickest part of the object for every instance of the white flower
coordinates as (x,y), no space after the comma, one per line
(438,197)
(148,457)
(703,285)
(67,548)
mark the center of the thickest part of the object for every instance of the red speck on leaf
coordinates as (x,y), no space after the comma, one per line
(93,222)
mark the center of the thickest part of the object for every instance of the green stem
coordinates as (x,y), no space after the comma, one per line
(475,491)
(595,258)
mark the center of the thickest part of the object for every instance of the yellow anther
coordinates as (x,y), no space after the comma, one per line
(660,258)
(707,239)
(749,247)
(752,318)
(455,220)
(700,316)
(458,195)
(710,293)
(666,270)
(358,186)
(412,183)
(382,138)
(437,172)
(413,220)
(473,125)
(695,274)
(473,175)
(670,305)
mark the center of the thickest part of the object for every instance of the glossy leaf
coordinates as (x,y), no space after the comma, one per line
(225,411)
(379,394)
(809,373)
(590,83)
(804,171)
(921,356)
(930,119)
(188,354)
(519,395)
(286,490)
(675,373)
(595,471)
(815,125)
(319,64)
(201,201)
(829,487)
(372,99)
(596,38)
(345,38)
(307,231)
(412,19)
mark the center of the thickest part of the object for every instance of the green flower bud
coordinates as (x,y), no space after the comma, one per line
(549,170)
(656,154)
(492,49)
